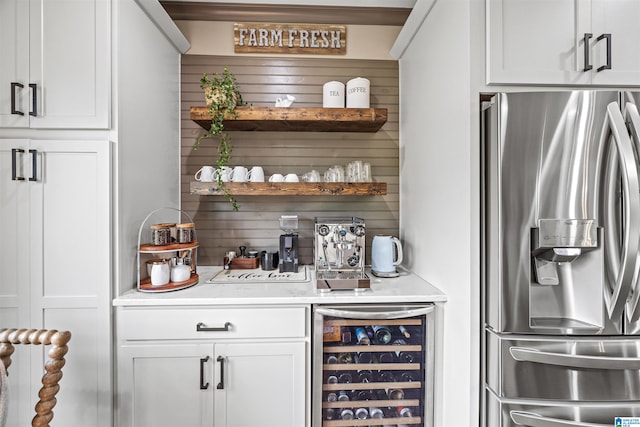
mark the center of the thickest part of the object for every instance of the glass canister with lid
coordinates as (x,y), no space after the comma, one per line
(185,233)
(161,234)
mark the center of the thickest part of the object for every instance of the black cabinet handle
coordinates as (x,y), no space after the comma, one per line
(34,165)
(587,62)
(203,385)
(200,327)
(220,385)
(607,66)
(14,164)
(34,99)
(14,86)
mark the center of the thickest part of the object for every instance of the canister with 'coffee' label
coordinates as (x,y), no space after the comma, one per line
(358,93)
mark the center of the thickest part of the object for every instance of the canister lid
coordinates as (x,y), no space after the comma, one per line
(161,226)
(185,225)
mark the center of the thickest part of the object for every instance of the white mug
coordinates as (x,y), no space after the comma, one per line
(239,174)
(291,177)
(205,174)
(224,172)
(256,174)
(276,177)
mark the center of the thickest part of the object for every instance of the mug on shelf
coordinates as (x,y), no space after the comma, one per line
(256,174)
(239,174)
(224,172)
(276,177)
(291,177)
(205,174)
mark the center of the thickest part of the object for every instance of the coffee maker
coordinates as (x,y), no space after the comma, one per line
(339,254)
(288,244)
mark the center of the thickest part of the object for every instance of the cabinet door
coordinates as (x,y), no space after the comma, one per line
(537,41)
(160,385)
(261,384)
(69,63)
(620,19)
(14,66)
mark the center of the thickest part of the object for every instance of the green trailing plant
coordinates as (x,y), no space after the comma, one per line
(222,97)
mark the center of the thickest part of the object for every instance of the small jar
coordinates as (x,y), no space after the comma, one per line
(185,233)
(180,271)
(161,234)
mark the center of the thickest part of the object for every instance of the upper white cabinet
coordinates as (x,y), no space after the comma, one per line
(55,68)
(563,42)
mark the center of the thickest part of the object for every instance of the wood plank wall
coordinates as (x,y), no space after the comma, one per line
(262,80)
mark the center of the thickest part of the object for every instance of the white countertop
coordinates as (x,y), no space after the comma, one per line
(404,289)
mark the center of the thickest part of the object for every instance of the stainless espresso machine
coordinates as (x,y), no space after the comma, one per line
(339,254)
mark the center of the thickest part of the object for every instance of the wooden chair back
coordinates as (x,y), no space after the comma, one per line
(53,365)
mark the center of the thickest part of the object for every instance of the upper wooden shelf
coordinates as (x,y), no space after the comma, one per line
(313,119)
(292,188)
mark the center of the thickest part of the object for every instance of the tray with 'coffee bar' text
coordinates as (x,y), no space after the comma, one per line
(260,276)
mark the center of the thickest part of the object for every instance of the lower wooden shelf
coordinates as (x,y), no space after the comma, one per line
(146,286)
(291,188)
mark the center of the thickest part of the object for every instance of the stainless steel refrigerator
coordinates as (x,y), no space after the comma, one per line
(560,244)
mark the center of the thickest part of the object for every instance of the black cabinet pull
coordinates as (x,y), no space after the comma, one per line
(587,62)
(34,165)
(200,327)
(34,99)
(203,385)
(14,164)
(220,385)
(14,86)
(607,66)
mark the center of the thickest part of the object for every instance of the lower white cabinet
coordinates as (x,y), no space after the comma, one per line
(217,366)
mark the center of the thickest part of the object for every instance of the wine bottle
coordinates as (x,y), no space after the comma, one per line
(408,376)
(343,396)
(364,395)
(382,334)
(365,376)
(345,378)
(376,413)
(387,377)
(345,358)
(331,359)
(332,397)
(329,414)
(395,393)
(363,357)
(404,331)
(403,411)
(362,337)
(404,356)
(346,414)
(386,357)
(362,413)
(332,378)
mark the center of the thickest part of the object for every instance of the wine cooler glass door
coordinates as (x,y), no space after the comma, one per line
(373,365)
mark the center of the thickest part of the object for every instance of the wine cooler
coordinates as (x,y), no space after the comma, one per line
(373,365)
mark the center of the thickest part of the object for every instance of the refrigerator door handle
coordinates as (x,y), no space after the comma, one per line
(627,270)
(632,118)
(353,314)
(531,419)
(523,354)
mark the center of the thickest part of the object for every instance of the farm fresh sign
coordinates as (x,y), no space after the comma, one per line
(290,38)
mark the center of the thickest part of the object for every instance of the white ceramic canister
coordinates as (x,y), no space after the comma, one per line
(159,271)
(358,93)
(333,95)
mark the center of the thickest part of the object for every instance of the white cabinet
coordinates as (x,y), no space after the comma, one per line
(563,42)
(55,265)
(213,366)
(55,67)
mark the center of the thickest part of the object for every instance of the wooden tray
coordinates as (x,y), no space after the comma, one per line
(244,263)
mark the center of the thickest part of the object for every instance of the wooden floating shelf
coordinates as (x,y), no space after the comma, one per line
(291,188)
(312,119)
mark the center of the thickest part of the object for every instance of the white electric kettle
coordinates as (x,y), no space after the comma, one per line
(384,258)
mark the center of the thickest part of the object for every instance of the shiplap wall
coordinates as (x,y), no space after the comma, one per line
(261,81)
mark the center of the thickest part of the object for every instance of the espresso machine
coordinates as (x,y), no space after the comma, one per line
(288,244)
(339,254)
